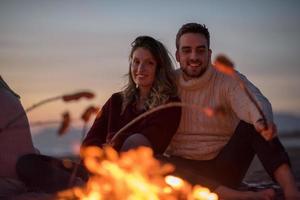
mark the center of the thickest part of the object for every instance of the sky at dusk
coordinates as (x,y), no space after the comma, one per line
(48,48)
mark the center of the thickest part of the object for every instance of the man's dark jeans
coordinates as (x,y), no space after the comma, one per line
(232,163)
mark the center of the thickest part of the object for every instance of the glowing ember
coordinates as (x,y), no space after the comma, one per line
(208,111)
(203,193)
(133,175)
(175,182)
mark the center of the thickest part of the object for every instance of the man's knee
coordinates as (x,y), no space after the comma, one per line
(135,141)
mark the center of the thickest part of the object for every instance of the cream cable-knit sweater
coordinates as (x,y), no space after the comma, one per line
(200,137)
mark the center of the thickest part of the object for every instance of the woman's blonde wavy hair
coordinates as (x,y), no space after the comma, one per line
(164,85)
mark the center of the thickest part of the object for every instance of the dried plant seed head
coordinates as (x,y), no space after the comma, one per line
(65,123)
(88,113)
(78,95)
(224,64)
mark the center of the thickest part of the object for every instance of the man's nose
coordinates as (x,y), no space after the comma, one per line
(194,55)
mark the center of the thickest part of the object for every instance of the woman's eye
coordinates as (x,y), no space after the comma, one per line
(150,63)
(136,62)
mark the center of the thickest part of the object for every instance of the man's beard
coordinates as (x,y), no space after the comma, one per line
(192,75)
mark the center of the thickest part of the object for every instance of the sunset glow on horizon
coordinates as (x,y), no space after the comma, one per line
(49,48)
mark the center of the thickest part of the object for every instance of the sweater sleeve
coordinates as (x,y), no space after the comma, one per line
(243,106)
(161,126)
(98,132)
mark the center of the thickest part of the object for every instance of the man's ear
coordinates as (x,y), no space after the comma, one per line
(209,52)
(177,56)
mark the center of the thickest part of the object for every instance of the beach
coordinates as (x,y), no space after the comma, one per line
(256,178)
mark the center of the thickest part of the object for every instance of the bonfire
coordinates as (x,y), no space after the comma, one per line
(132,175)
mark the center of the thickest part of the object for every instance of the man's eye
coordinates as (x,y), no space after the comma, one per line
(202,50)
(185,50)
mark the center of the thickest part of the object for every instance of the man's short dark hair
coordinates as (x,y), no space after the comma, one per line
(193,28)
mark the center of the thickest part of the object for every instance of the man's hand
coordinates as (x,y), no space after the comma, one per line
(268,132)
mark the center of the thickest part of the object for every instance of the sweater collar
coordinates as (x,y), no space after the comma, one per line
(196,82)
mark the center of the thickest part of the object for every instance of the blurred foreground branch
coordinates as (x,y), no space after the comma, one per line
(66,98)
(226,66)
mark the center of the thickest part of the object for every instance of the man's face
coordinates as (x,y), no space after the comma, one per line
(193,55)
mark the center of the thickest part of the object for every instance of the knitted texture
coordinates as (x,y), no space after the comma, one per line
(200,136)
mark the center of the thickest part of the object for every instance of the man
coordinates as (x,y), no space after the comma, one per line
(218,149)
(15,141)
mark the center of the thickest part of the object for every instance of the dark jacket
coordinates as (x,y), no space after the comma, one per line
(158,127)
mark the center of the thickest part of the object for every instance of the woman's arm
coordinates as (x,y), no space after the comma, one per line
(161,126)
(106,123)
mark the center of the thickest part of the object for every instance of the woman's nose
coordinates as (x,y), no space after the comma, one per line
(141,67)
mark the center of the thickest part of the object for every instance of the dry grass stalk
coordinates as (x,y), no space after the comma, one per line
(66,98)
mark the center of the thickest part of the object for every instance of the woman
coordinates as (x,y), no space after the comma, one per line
(150,84)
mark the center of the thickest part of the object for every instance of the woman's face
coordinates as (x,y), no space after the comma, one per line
(143,67)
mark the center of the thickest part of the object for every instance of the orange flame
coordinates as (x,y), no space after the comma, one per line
(174,181)
(135,174)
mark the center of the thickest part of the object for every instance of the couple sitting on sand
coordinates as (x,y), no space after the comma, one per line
(212,151)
